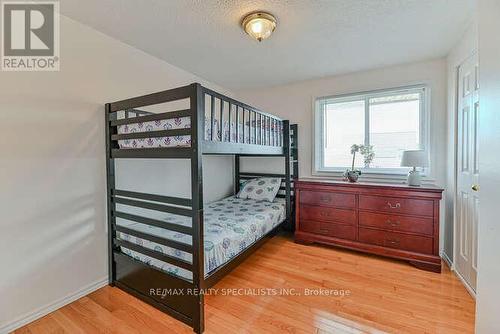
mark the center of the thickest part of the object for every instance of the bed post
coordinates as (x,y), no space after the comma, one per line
(197,137)
(110,186)
(294,150)
(294,156)
(288,187)
(236,174)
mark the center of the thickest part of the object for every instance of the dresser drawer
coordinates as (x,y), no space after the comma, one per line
(410,206)
(395,240)
(328,199)
(325,214)
(328,229)
(397,223)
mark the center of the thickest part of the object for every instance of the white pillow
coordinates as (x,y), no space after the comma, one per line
(261,189)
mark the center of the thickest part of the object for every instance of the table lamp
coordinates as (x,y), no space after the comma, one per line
(414,158)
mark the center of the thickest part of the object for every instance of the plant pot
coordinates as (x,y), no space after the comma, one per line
(352,175)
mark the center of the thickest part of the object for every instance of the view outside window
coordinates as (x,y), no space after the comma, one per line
(389,122)
(344,126)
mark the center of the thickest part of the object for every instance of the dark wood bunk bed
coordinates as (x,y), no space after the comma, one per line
(250,132)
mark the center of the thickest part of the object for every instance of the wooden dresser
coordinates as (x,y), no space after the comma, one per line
(391,220)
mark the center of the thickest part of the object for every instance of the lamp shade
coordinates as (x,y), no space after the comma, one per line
(414,158)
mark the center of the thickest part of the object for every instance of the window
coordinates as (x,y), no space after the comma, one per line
(392,121)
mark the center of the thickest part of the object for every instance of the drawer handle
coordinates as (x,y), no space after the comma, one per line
(324,231)
(324,214)
(325,199)
(393,223)
(395,206)
(392,242)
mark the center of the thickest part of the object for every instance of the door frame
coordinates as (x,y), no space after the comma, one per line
(455,173)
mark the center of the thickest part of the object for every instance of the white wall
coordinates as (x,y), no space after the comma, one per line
(488,281)
(295,102)
(52,168)
(460,52)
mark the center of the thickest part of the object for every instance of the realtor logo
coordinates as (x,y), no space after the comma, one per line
(30,36)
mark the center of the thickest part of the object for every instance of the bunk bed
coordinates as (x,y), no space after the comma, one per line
(180,248)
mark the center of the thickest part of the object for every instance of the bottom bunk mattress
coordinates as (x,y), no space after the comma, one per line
(231,226)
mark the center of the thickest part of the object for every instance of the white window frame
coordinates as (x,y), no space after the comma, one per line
(318,133)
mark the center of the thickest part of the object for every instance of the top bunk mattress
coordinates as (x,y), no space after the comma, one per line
(183,141)
(231,225)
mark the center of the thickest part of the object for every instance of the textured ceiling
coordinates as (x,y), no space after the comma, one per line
(313,38)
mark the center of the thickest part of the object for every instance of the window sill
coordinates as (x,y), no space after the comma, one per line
(368,171)
(373,177)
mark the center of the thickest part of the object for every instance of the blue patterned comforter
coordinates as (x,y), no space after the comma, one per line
(231,226)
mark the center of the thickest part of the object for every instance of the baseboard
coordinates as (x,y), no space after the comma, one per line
(44,310)
(469,289)
(452,267)
(446,259)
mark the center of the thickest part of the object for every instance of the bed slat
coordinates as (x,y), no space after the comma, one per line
(154,254)
(153,117)
(153,206)
(229,121)
(237,123)
(152,134)
(244,126)
(159,240)
(152,197)
(212,117)
(152,153)
(165,96)
(154,222)
(221,121)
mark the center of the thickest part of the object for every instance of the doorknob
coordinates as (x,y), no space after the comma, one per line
(475,187)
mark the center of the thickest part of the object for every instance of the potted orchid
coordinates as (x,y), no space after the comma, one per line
(366,151)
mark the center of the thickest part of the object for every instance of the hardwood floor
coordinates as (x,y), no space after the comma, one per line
(386,296)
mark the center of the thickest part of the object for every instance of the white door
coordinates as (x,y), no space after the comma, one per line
(467,197)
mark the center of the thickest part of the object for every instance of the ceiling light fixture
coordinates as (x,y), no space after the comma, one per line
(259,25)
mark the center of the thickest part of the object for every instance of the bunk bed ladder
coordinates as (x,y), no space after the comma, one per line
(124,271)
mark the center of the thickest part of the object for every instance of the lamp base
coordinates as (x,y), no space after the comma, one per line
(414,178)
